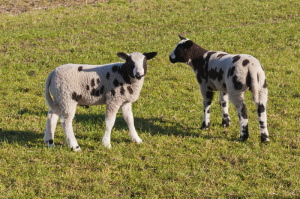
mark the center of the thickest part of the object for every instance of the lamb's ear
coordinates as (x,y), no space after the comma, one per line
(150,55)
(188,43)
(123,56)
(182,38)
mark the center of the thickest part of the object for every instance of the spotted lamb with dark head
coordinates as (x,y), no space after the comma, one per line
(116,85)
(231,75)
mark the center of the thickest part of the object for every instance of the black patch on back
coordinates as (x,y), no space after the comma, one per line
(97,93)
(80,68)
(107,75)
(93,91)
(93,82)
(260,109)
(116,83)
(237,85)
(231,71)
(87,87)
(235,58)
(244,112)
(221,55)
(130,89)
(122,90)
(245,62)
(76,97)
(207,58)
(101,90)
(265,84)
(113,92)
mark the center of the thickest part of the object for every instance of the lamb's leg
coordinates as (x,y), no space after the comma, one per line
(262,115)
(224,103)
(128,116)
(207,99)
(66,121)
(110,118)
(50,128)
(238,101)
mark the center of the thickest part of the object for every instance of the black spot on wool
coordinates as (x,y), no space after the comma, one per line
(113,92)
(115,68)
(213,74)
(97,93)
(220,75)
(87,87)
(245,62)
(221,55)
(244,112)
(237,85)
(209,94)
(130,89)
(107,75)
(260,109)
(231,71)
(235,58)
(93,91)
(101,90)
(80,68)
(248,80)
(76,97)
(98,81)
(223,104)
(93,82)
(116,83)
(265,84)
(122,91)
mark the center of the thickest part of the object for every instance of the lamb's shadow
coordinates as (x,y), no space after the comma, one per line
(28,138)
(154,126)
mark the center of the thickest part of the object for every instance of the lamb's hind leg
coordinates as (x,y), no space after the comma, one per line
(128,116)
(224,103)
(262,115)
(238,101)
(50,128)
(66,121)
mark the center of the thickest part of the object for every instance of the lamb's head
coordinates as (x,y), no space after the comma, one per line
(181,51)
(136,63)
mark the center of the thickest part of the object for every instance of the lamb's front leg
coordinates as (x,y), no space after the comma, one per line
(128,116)
(110,118)
(207,99)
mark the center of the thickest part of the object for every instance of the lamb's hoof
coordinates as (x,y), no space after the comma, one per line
(50,144)
(77,148)
(107,145)
(204,126)
(264,138)
(225,122)
(244,138)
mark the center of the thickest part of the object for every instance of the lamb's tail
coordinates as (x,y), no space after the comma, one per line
(258,84)
(49,101)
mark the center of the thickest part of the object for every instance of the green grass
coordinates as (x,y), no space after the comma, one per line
(177,159)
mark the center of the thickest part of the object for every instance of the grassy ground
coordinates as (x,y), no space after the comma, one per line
(177,159)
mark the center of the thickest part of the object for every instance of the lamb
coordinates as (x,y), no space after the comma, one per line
(116,85)
(231,75)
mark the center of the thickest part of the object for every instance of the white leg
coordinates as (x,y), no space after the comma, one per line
(110,118)
(128,116)
(66,121)
(50,128)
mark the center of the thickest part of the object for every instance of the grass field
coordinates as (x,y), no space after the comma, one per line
(177,159)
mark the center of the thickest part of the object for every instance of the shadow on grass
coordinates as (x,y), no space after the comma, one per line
(28,138)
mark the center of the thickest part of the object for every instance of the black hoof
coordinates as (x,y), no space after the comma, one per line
(264,138)
(204,126)
(244,138)
(225,122)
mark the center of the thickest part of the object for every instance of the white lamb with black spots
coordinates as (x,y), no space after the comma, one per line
(231,75)
(116,85)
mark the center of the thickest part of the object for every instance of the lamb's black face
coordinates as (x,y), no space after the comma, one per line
(180,53)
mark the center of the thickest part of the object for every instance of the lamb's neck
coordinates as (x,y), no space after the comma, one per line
(196,60)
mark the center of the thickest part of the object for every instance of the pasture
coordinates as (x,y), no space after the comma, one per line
(176,159)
